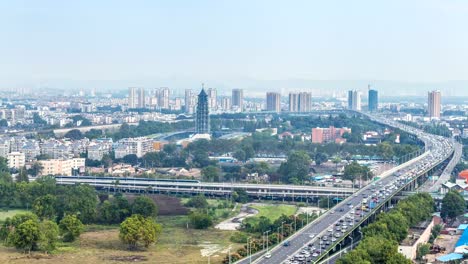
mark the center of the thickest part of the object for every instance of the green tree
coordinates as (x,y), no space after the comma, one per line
(200,220)
(240,195)
(239,155)
(74,134)
(296,168)
(44,206)
(49,235)
(145,206)
(354,171)
(320,158)
(35,169)
(386,150)
(114,210)
(80,200)
(210,173)
(131,159)
(22,175)
(423,249)
(453,205)
(137,230)
(198,201)
(70,228)
(357,256)
(26,236)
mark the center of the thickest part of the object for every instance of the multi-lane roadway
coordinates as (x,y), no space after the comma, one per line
(309,245)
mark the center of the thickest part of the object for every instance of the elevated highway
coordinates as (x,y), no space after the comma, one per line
(193,187)
(406,177)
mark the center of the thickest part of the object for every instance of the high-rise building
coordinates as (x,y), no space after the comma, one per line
(354,100)
(163,97)
(273,102)
(373,100)
(190,101)
(433,104)
(136,97)
(238,99)
(305,102)
(293,102)
(300,102)
(212,98)
(226,103)
(350,99)
(202,119)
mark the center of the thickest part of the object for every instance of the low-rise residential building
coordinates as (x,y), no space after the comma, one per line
(16,160)
(63,167)
(4,147)
(138,146)
(330,134)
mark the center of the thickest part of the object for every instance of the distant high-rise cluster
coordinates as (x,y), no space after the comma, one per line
(163,95)
(354,100)
(300,102)
(373,100)
(226,103)
(237,99)
(212,98)
(273,102)
(190,101)
(433,104)
(136,97)
(202,120)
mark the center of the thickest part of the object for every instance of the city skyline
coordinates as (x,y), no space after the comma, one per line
(105,47)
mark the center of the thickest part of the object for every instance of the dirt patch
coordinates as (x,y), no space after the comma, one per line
(167,205)
(133,258)
(235,222)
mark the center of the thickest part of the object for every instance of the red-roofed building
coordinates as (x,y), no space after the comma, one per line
(464,175)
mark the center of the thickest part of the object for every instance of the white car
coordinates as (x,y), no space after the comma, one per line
(267,255)
(312,235)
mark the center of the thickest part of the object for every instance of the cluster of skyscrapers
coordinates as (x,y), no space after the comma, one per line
(354,100)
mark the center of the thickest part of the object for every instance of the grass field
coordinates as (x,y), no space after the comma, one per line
(274,211)
(101,244)
(10,213)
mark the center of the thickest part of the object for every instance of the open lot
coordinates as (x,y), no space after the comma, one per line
(177,244)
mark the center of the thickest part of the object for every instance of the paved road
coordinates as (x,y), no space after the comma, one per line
(437,149)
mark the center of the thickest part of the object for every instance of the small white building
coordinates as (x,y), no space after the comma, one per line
(16,160)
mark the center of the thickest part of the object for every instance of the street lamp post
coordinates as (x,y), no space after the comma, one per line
(249,249)
(282,230)
(267,241)
(278,236)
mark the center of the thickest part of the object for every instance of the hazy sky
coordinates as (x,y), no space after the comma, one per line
(74,41)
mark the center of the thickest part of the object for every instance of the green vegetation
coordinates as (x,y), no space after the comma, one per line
(423,249)
(296,168)
(354,171)
(274,211)
(70,228)
(453,205)
(200,220)
(137,230)
(144,206)
(381,238)
(10,213)
(198,201)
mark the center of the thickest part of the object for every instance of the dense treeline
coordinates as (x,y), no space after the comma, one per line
(145,128)
(60,211)
(381,238)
